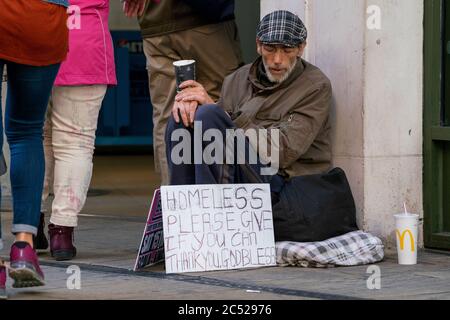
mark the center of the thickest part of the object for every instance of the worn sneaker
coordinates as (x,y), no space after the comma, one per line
(2,281)
(61,242)
(40,241)
(25,269)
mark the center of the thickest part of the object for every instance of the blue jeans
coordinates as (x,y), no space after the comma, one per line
(214,117)
(27,98)
(64,3)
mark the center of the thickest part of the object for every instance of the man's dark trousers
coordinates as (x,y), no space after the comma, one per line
(212,117)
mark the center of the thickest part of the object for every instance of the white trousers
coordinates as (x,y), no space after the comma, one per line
(69,142)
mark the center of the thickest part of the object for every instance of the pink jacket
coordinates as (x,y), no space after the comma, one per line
(91,52)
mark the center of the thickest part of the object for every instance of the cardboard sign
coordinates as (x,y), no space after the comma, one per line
(217,227)
(151,250)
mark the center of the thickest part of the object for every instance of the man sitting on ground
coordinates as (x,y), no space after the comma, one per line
(279,91)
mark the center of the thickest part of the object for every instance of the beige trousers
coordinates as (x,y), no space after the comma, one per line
(216,48)
(69,142)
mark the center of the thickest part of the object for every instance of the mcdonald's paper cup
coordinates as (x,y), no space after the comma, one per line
(406,230)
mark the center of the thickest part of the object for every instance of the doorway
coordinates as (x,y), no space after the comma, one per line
(437,124)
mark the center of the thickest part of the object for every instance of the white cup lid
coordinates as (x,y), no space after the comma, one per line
(183,63)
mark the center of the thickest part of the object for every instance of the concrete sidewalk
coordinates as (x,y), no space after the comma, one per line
(110,231)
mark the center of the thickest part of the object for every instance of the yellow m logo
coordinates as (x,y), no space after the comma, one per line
(402,236)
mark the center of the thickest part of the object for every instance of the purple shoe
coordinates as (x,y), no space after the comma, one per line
(2,282)
(61,242)
(25,268)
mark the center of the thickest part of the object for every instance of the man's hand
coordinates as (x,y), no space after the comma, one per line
(133,8)
(193,91)
(187,111)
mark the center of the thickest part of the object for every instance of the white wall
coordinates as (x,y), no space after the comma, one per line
(393,115)
(336,45)
(377,107)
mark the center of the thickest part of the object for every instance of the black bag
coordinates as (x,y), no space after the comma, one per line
(314,208)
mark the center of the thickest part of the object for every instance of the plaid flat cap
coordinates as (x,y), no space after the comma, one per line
(282,27)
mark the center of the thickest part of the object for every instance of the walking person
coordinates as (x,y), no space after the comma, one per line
(71,123)
(33,43)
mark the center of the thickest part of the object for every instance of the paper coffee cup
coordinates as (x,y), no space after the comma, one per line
(406,230)
(184,70)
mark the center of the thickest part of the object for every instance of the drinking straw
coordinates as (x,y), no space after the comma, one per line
(406,210)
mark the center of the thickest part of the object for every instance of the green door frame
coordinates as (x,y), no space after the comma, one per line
(436,135)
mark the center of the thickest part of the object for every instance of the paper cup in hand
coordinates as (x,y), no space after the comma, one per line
(184,70)
(406,231)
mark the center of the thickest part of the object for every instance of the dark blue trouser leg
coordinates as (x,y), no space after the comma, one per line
(184,173)
(210,117)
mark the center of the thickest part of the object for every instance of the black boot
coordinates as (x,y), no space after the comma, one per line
(40,241)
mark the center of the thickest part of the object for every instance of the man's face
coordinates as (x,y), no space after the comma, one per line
(279,60)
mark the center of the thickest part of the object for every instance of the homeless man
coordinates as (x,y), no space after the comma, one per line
(280,97)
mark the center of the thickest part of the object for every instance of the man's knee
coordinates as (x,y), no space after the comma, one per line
(209,112)
(213,117)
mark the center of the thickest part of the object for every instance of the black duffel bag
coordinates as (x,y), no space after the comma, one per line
(314,208)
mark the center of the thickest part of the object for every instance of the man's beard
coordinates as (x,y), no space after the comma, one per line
(284,77)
